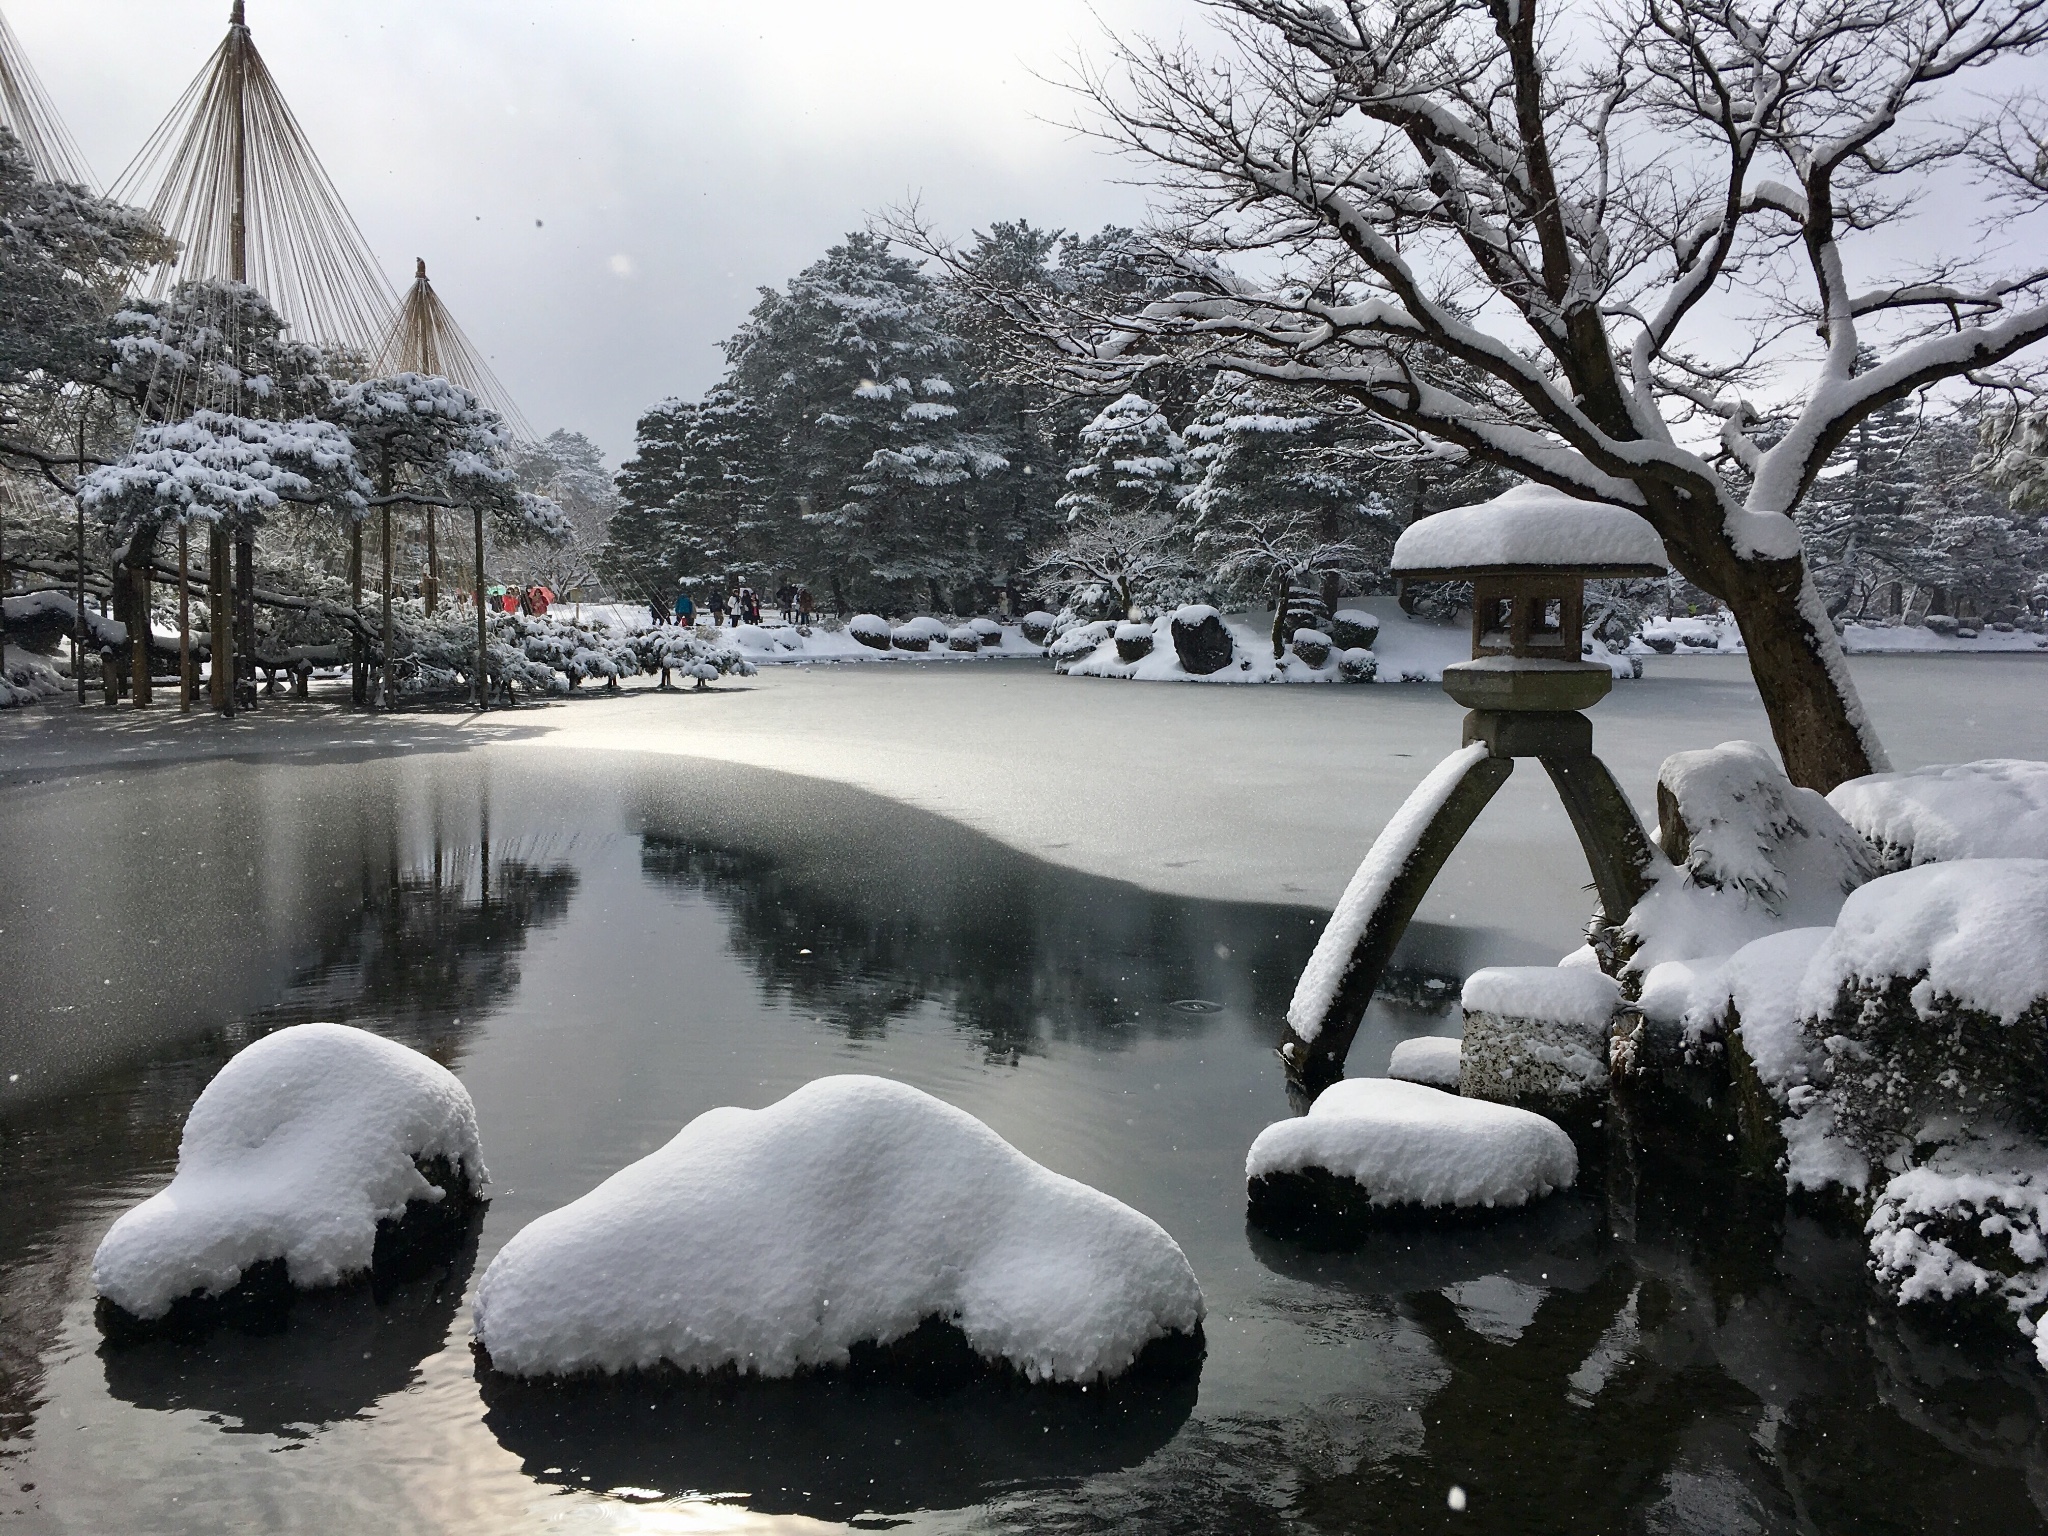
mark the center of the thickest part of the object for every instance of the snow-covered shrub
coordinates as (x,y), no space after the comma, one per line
(1997,808)
(919,634)
(1312,646)
(870,629)
(1354,629)
(1080,640)
(1133,641)
(963,637)
(774,1240)
(28,680)
(987,631)
(295,1152)
(1403,1146)
(1037,626)
(666,648)
(1357,666)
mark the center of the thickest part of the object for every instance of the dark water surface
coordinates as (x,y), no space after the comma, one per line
(603,947)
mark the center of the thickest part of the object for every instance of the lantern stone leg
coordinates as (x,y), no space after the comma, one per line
(1315,1057)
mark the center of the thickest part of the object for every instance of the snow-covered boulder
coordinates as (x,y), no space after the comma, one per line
(1431,1060)
(1200,639)
(1037,626)
(851,1212)
(1997,808)
(1312,646)
(963,637)
(297,1152)
(1930,999)
(1354,629)
(1133,641)
(870,630)
(1372,1146)
(1537,1035)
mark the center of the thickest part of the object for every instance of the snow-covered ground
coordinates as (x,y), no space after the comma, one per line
(774,1240)
(1715,634)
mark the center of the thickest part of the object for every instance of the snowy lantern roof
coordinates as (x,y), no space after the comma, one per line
(1529,529)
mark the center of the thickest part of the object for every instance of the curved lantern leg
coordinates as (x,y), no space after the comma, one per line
(1315,1064)
(1618,851)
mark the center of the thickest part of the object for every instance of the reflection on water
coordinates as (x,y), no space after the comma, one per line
(603,948)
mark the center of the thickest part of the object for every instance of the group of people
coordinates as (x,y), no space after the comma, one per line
(534,600)
(742,605)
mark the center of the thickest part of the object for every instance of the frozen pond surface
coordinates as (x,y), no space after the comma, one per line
(1668,1350)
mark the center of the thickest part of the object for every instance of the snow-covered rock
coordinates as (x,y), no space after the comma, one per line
(1431,1060)
(1997,808)
(1537,1035)
(1530,525)
(301,1145)
(1133,642)
(774,1240)
(1202,643)
(1406,1145)
(28,680)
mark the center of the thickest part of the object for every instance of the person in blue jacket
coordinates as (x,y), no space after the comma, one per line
(686,611)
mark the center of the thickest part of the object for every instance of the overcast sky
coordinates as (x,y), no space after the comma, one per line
(678,154)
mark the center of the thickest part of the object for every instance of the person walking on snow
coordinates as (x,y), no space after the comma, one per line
(686,611)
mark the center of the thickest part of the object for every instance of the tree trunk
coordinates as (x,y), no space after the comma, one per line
(184,619)
(389,689)
(245,618)
(219,644)
(1284,589)
(138,618)
(358,656)
(1822,733)
(78,612)
(483,696)
(430,585)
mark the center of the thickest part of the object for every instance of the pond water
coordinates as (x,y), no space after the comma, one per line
(604,946)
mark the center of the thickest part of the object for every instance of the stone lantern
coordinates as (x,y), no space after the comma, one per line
(1528,555)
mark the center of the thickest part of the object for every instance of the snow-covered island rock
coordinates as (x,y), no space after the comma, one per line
(776,1240)
(295,1152)
(1373,1146)
(1536,1036)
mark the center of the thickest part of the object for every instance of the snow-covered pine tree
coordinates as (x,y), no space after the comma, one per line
(1131,463)
(1288,505)
(695,501)
(856,377)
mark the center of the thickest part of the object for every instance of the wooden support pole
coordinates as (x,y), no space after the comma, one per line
(244,647)
(220,644)
(1618,850)
(184,619)
(78,601)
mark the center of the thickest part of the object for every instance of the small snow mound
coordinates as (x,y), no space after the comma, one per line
(1410,1145)
(1192,614)
(924,627)
(1567,994)
(1975,931)
(1431,1060)
(295,1151)
(853,1210)
(1997,808)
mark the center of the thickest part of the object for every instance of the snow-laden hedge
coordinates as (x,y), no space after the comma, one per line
(28,680)
(548,654)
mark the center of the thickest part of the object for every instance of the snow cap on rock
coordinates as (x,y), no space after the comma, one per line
(1428,1059)
(1570,994)
(1975,930)
(1406,1144)
(1530,528)
(295,1151)
(1997,808)
(771,1240)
